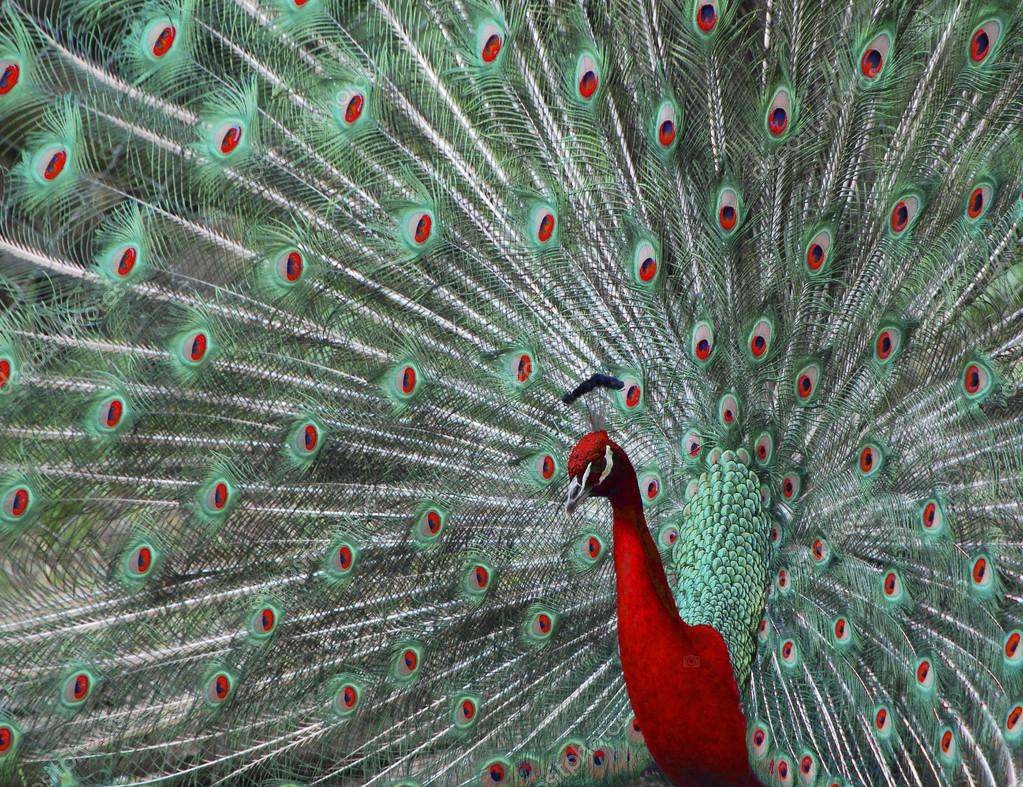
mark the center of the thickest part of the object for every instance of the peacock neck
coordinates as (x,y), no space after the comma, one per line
(679,677)
(642,583)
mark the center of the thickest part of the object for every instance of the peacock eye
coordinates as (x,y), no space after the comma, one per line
(807,769)
(139,561)
(123,259)
(871,460)
(692,446)
(842,632)
(763,448)
(194,346)
(9,736)
(982,575)
(1013,719)
(477,578)
(263,622)
(805,383)
(1012,648)
(705,16)
(7,371)
(289,266)
(346,697)
(465,712)
(666,124)
(904,213)
(10,73)
(820,550)
(760,741)
(978,201)
(668,535)
(630,396)
(520,366)
(874,58)
(817,251)
(587,76)
(887,343)
(759,339)
(405,380)
(947,749)
(778,114)
(650,486)
(418,227)
(591,548)
(984,41)
(932,518)
(406,663)
(159,37)
(925,675)
(892,587)
(17,502)
(227,137)
(645,264)
(789,652)
(883,722)
(50,163)
(218,688)
(109,413)
(430,524)
(218,494)
(702,342)
(728,411)
(542,624)
(342,558)
(489,42)
(306,439)
(495,772)
(77,688)
(783,582)
(728,210)
(790,486)
(784,770)
(571,757)
(976,380)
(545,467)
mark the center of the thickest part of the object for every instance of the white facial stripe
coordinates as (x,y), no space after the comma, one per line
(608,464)
(586,475)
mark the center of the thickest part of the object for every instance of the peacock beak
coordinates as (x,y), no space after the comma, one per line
(577,491)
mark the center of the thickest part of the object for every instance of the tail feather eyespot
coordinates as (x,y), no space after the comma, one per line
(77,688)
(979,200)
(10,74)
(728,210)
(159,38)
(228,137)
(904,213)
(779,114)
(984,41)
(873,59)
(17,502)
(705,16)
(50,162)
(587,76)
(818,252)
(218,688)
(759,339)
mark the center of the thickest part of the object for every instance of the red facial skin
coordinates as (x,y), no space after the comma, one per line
(679,677)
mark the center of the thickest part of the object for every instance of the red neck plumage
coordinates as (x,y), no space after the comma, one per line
(679,677)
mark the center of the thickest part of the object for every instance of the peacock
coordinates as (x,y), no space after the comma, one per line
(511,392)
